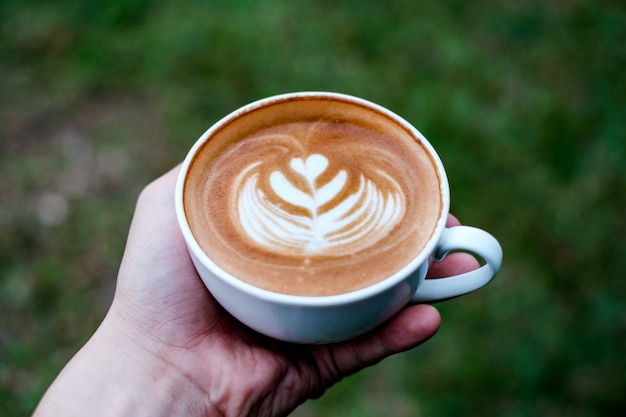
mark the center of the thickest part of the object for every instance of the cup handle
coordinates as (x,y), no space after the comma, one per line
(465,239)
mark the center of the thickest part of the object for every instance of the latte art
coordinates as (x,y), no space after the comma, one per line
(320,219)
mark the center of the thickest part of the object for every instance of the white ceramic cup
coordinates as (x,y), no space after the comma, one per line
(324,319)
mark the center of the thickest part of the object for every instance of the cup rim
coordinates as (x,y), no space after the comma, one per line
(305,300)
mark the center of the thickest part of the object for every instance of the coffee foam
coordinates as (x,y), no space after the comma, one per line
(314,200)
(334,223)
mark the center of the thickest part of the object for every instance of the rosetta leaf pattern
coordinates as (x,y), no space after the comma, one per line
(332,227)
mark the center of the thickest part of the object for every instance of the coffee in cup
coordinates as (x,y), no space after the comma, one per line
(313,217)
(312,197)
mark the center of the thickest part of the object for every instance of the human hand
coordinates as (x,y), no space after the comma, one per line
(166,347)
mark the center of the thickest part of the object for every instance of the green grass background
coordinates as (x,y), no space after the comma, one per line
(524,100)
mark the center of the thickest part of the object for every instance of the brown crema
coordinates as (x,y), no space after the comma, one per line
(312,196)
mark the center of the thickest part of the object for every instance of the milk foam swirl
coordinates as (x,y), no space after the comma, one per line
(319,219)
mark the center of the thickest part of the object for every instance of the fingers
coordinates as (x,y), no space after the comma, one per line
(409,328)
(453,263)
(452,221)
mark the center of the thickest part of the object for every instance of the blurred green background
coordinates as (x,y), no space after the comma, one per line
(525,102)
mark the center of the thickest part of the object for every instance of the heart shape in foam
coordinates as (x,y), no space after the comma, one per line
(311,168)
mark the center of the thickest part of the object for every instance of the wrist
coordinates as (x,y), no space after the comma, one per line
(115,375)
